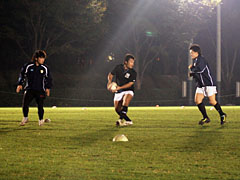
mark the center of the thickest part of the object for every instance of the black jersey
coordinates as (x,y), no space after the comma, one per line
(36,77)
(124,76)
(201,72)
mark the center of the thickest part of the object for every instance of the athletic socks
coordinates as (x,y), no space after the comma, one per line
(123,113)
(219,109)
(125,117)
(202,109)
(125,109)
(120,116)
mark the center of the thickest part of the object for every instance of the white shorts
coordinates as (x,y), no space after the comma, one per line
(119,96)
(207,91)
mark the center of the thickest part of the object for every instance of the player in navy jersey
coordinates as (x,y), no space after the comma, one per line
(205,82)
(38,81)
(125,77)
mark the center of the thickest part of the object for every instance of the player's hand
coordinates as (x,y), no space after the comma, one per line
(47,92)
(190,66)
(115,90)
(190,74)
(19,88)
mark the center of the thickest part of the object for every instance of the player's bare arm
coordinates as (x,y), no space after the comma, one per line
(110,77)
(47,92)
(125,86)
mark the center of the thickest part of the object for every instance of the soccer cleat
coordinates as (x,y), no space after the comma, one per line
(205,120)
(41,122)
(24,121)
(128,123)
(120,122)
(223,118)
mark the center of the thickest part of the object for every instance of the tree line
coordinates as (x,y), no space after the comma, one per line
(157,32)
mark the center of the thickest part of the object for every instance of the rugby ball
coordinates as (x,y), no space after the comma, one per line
(112,86)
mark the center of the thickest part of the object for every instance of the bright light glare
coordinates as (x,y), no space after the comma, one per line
(205,2)
(110,58)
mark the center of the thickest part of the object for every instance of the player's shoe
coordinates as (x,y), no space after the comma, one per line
(120,122)
(41,122)
(24,121)
(203,121)
(223,118)
(128,123)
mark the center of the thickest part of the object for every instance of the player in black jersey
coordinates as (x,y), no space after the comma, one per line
(201,72)
(125,77)
(38,81)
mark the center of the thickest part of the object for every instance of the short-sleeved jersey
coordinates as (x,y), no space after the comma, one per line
(35,77)
(201,72)
(124,76)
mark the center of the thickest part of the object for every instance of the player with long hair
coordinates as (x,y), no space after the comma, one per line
(38,81)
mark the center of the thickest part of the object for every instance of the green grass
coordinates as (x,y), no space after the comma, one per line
(164,143)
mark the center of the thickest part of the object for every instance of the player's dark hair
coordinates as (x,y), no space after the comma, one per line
(128,56)
(196,48)
(39,54)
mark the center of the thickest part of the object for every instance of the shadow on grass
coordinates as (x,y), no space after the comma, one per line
(88,138)
(6,121)
(10,130)
(6,130)
(203,139)
(223,126)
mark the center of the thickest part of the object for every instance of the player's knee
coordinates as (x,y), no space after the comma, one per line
(213,102)
(197,101)
(117,109)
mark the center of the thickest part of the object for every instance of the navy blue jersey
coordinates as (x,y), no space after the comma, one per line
(35,77)
(124,76)
(201,72)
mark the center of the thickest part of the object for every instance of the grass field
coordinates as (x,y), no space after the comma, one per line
(164,143)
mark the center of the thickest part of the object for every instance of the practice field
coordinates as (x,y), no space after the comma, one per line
(164,143)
